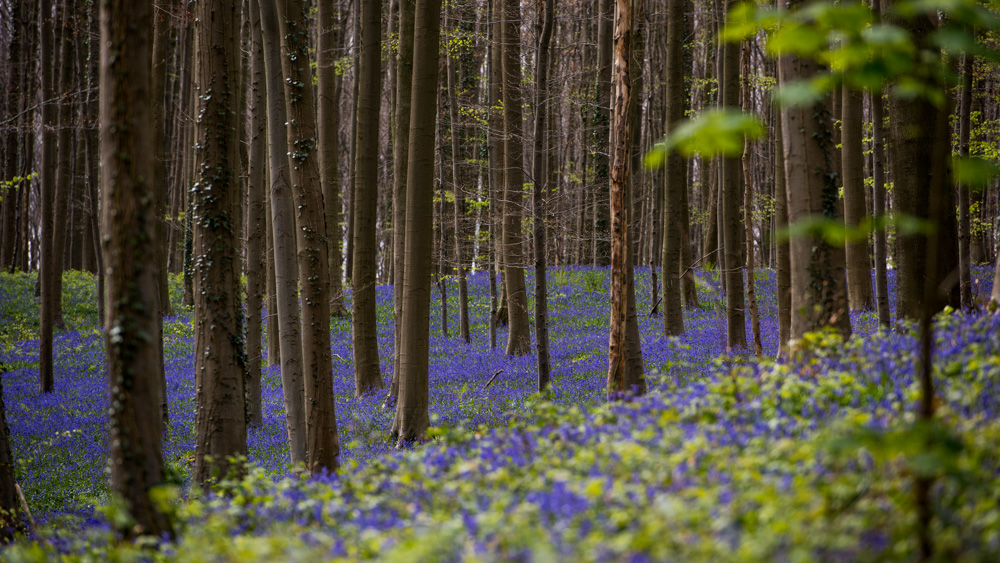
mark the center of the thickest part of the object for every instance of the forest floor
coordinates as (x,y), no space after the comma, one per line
(728,458)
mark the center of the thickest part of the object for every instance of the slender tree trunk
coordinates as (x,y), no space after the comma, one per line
(731,193)
(412,416)
(367,375)
(273,323)
(47,179)
(322,442)
(539,187)
(624,372)
(748,209)
(519,335)
(602,132)
(784,274)
(161,36)
(328,114)
(819,293)
(964,199)
(401,138)
(674,174)
(498,313)
(459,203)
(286,275)
(255,270)
(878,198)
(215,199)
(11,519)
(131,234)
(859,274)
(64,79)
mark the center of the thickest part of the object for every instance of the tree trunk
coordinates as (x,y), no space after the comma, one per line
(401,138)
(286,275)
(731,193)
(748,209)
(328,114)
(539,187)
(63,38)
(367,375)
(519,333)
(412,417)
(674,174)
(784,274)
(255,270)
(819,293)
(322,442)
(964,199)
(459,203)
(878,199)
(215,200)
(859,273)
(602,132)
(130,235)
(624,372)
(161,36)
(47,179)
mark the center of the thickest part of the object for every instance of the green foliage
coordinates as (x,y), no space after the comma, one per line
(715,131)
(836,233)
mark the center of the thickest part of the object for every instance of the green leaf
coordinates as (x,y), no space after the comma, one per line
(716,131)
(974,172)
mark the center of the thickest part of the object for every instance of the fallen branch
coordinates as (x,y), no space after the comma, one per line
(499,371)
(24,506)
(652,311)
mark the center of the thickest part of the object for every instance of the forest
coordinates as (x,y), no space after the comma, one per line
(492,280)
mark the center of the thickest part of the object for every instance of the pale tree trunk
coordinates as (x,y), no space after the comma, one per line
(401,138)
(519,333)
(539,187)
(819,293)
(328,113)
(255,269)
(674,174)
(459,204)
(964,199)
(47,191)
(215,202)
(130,235)
(625,374)
(322,442)
(859,273)
(286,275)
(367,375)
(748,209)
(412,417)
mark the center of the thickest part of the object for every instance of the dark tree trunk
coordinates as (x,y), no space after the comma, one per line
(859,273)
(675,175)
(367,375)
(602,132)
(215,199)
(48,267)
(784,274)
(539,187)
(459,203)
(878,199)
(751,297)
(731,194)
(964,199)
(130,235)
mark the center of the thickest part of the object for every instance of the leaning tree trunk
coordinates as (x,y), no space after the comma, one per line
(539,187)
(286,275)
(412,417)
(519,333)
(322,442)
(819,293)
(624,373)
(215,200)
(364,326)
(130,235)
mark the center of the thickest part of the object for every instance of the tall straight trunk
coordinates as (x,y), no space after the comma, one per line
(131,234)
(328,113)
(519,333)
(8,234)
(353,136)
(964,199)
(48,267)
(273,324)
(710,242)
(442,234)
(256,272)
(286,275)
(859,274)
(674,175)
(731,194)
(322,442)
(819,292)
(878,200)
(215,200)
(367,375)
(748,208)
(401,138)
(539,187)
(494,135)
(64,164)
(625,374)
(161,36)
(783,261)
(412,417)
(602,132)
(919,142)
(459,204)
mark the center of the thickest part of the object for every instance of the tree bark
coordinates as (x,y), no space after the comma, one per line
(964,199)
(220,365)
(459,202)
(519,333)
(64,166)
(286,275)
(412,416)
(731,193)
(878,199)
(539,187)
(367,375)
(675,177)
(783,260)
(322,442)
(748,209)
(602,132)
(859,273)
